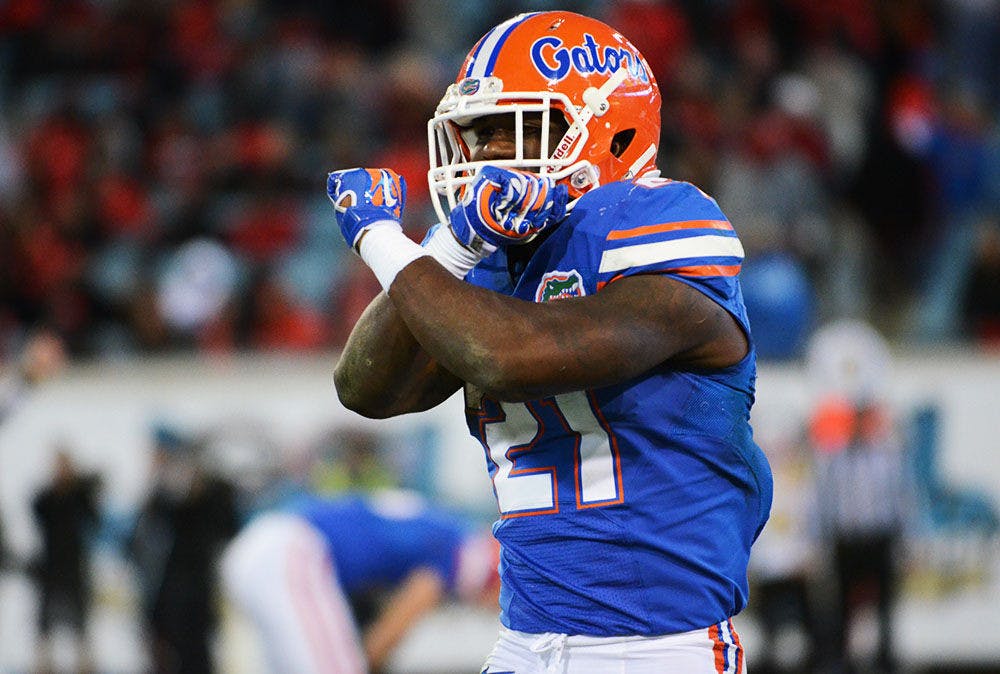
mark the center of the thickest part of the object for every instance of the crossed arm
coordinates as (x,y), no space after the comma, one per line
(416,346)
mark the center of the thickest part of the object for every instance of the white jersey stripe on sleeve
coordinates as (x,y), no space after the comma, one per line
(618,259)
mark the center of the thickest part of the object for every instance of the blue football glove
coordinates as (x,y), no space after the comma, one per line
(365,197)
(507,207)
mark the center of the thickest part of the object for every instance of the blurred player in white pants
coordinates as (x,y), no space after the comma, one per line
(293,571)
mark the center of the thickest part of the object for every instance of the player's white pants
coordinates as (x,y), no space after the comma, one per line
(279,571)
(715,650)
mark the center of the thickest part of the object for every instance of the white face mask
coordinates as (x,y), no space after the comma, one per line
(447,135)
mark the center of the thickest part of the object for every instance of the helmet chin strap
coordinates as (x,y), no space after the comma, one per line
(640,162)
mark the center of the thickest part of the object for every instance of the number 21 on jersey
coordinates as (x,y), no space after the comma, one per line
(532,462)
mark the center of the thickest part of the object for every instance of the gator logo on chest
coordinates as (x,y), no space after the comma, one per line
(558,285)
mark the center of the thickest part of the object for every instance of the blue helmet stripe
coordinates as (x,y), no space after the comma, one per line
(485,57)
(475,55)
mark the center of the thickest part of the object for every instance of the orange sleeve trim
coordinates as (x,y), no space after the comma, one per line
(708,270)
(701,271)
(619,234)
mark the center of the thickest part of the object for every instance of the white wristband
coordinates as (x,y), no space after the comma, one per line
(451,254)
(386,250)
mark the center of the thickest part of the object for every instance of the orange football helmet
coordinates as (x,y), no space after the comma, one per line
(540,62)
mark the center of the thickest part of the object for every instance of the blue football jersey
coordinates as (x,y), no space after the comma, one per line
(627,509)
(377,540)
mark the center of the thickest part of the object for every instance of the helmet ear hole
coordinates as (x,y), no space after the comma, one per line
(621,141)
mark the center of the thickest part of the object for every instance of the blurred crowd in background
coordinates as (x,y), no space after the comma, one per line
(162,162)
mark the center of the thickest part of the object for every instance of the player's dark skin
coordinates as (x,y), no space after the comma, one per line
(413,348)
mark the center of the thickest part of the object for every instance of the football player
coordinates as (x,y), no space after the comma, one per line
(294,572)
(591,311)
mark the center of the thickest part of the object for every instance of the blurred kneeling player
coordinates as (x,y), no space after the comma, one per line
(295,573)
